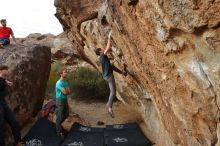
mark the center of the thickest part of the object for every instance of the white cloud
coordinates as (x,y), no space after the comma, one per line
(30,16)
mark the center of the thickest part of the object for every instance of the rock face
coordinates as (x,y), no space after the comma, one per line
(61,48)
(171,49)
(30,68)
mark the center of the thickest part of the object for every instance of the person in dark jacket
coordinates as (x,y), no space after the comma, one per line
(6,114)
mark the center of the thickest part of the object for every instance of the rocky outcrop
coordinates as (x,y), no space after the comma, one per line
(171,50)
(61,48)
(29,71)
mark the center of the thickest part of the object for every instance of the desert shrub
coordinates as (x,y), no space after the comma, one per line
(85,83)
(88,83)
(53,77)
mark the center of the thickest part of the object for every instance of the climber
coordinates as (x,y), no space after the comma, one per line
(107,73)
(5,33)
(6,113)
(62,109)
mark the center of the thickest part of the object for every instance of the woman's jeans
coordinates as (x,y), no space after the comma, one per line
(6,115)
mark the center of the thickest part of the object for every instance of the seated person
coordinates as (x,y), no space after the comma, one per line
(5,33)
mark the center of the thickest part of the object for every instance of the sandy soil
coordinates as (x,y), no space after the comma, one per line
(93,111)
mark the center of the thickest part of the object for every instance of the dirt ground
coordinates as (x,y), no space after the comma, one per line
(97,111)
(90,112)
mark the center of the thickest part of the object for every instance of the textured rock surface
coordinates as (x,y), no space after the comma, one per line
(29,67)
(171,49)
(61,48)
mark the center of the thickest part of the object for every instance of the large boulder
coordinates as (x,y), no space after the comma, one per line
(30,68)
(171,50)
(61,47)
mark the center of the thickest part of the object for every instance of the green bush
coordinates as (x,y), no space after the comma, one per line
(53,77)
(88,83)
(85,83)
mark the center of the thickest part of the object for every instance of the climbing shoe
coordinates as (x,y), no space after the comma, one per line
(60,134)
(100,123)
(111,114)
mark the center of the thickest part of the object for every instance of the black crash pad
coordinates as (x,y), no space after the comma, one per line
(80,135)
(43,133)
(125,135)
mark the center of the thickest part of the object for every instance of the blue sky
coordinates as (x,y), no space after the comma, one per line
(30,16)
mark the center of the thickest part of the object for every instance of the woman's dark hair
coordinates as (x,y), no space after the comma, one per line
(3,67)
(97,51)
